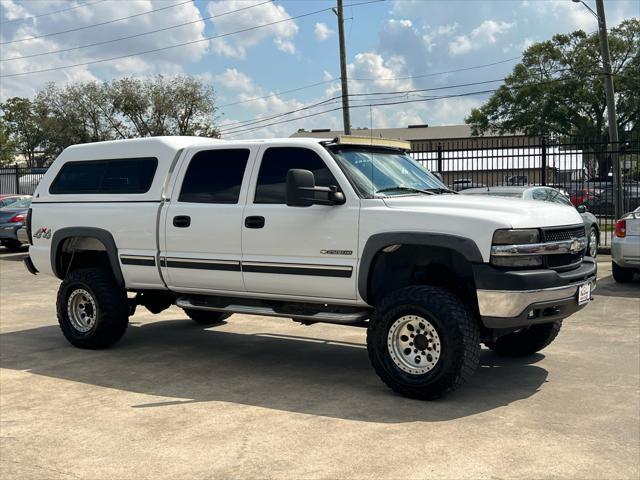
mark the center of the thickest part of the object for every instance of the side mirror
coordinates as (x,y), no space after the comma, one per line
(438,175)
(301,190)
(581,208)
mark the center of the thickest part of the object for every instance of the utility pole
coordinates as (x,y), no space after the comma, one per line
(614,144)
(343,70)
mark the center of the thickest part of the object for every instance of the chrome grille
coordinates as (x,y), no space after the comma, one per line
(560,234)
(567,260)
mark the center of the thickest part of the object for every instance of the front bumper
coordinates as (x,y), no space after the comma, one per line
(517,298)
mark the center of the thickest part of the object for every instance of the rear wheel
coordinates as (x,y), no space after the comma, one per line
(206,317)
(621,274)
(526,341)
(423,342)
(93,312)
(12,245)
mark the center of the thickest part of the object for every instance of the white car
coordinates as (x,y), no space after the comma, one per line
(350,231)
(625,247)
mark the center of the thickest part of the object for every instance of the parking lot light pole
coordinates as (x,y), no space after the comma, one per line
(614,144)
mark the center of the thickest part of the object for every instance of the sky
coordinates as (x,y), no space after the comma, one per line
(260,72)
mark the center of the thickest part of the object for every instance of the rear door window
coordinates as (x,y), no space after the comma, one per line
(214,176)
(120,176)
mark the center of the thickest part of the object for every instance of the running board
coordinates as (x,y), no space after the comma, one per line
(353,317)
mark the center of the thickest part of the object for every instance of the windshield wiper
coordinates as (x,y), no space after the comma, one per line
(441,190)
(406,189)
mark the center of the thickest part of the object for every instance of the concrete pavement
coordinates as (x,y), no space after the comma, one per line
(267,398)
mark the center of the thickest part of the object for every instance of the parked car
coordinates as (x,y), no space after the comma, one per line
(349,231)
(582,195)
(625,247)
(602,203)
(12,218)
(463,183)
(547,194)
(6,200)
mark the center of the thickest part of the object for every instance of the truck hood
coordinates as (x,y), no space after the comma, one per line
(510,212)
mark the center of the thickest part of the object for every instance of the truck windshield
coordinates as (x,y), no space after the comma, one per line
(386,172)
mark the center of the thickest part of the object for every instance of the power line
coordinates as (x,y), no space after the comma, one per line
(135,35)
(279,93)
(96,24)
(304,87)
(243,123)
(240,129)
(22,19)
(443,73)
(205,39)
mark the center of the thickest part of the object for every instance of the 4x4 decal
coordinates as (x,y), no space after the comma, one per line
(43,232)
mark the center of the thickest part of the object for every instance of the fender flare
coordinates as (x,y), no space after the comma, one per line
(99,234)
(464,246)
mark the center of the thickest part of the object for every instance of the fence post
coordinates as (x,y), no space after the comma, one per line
(17,179)
(543,176)
(440,158)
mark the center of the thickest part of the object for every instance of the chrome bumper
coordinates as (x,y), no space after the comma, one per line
(507,308)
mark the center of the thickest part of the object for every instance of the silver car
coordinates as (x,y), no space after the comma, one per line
(625,247)
(547,194)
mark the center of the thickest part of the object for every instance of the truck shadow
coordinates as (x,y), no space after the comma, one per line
(179,360)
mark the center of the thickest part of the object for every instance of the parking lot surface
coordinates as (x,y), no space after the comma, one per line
(268,398)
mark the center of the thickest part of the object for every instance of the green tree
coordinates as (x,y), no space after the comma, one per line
(20,120)
(7,145)
(558,89)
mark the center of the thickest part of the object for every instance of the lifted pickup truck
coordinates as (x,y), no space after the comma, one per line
(350,231)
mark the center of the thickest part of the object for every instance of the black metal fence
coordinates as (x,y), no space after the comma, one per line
(570,164)
(578,167)
(20,180)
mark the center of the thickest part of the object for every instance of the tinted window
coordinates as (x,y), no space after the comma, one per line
(105,176)
(214,176)
(276,162)
(559,197)
(540,194)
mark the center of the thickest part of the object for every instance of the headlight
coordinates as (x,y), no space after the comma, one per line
(516,237)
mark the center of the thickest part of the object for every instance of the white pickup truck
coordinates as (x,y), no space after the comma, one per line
(350,231)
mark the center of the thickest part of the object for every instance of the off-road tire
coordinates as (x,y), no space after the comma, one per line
(621,274)
(112,309)
(206,317)
(12,245)
(526,341)
(454,324)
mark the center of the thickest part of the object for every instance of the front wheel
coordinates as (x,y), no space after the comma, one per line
(93,312)
(423,342)
(527,341)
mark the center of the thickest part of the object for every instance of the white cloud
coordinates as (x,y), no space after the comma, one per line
(236,46)
(12,10)
(322,31)
(235,80)
(166,61)
(484,34)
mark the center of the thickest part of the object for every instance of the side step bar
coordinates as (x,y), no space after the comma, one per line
(354,317)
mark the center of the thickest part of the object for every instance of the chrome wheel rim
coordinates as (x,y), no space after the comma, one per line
(414,344)
(593,243)
(81,309)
